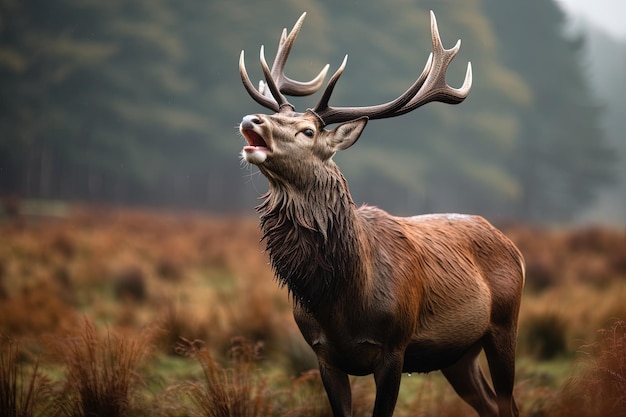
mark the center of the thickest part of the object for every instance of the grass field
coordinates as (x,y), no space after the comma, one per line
(117,312)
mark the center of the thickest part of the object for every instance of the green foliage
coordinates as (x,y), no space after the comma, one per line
(136,102)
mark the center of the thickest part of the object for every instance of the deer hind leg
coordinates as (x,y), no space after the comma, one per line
(499,347)
(468,380)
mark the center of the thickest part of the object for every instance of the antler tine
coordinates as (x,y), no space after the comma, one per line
(323,103)
(260,98)
(271,93)
(327,114)
(271,83)
(435,87)
(286,84)
(430,86)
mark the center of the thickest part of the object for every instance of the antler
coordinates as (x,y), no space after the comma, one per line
(271,93)
(430,86)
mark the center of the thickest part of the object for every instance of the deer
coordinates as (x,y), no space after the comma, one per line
(375,293)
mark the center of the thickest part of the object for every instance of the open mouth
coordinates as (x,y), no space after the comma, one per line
(255,141)
(257,150)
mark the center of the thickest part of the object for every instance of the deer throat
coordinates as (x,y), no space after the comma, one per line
(313,243)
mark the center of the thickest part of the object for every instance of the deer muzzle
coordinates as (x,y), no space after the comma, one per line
(257,150)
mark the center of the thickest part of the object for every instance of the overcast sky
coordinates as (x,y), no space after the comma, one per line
(607,14)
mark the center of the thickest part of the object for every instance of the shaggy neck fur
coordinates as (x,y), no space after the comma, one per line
(312,237)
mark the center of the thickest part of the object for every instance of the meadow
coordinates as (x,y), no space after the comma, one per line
(119,312)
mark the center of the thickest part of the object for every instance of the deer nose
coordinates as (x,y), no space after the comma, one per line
(250,120)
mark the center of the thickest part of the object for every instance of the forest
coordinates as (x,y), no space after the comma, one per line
(136,103)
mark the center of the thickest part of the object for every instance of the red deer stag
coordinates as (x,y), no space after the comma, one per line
(374,293)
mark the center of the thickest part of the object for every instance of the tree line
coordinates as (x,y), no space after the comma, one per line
(137,102)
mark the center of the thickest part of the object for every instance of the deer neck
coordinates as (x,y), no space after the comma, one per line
(314,238)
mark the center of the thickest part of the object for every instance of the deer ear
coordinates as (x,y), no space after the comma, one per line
(346,134)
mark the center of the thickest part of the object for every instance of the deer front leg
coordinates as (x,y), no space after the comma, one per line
(337,387)
(387,377)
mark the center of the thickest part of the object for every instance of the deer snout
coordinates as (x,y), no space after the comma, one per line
(250,120)
(258,148)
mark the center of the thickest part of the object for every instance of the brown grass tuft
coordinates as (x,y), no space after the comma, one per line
(305,397)
(544,336)
(21,394)
(182,323)
(129,283)
(226,392)
(36,309)
(600,389)
(102,377)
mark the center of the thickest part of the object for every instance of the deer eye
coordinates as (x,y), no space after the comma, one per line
(308,132)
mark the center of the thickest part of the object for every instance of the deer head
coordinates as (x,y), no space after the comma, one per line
(280,143)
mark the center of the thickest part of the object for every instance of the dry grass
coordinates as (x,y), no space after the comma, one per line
(23,393)
(238,391)
(208,279)
(544,336)
(102,373)
(304,397)
(590,255)
(599,389)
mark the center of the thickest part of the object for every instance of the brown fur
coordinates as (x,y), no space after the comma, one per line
(381,294)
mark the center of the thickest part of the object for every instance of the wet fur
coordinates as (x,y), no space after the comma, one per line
(368,285)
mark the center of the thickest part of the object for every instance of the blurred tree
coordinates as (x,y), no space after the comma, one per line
(606,66)
(83,102)
(562,155)
(117,101)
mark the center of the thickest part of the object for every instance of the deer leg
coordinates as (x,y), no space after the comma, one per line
(468,380)
(500,350)
(337,387)
(387,377)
